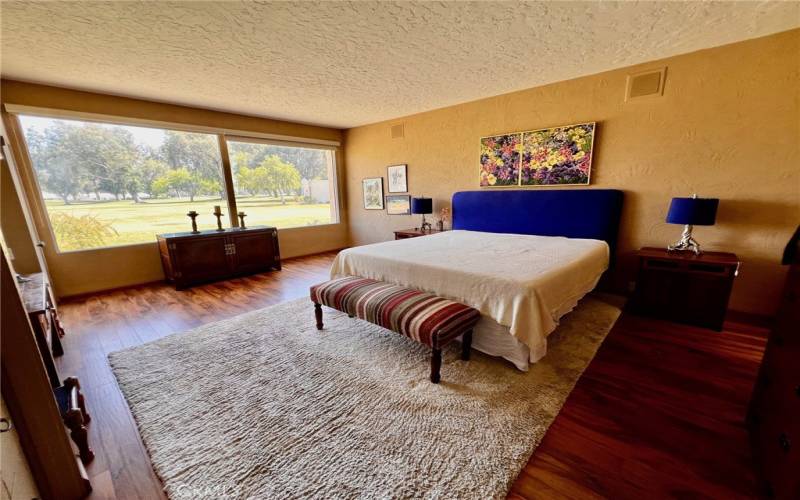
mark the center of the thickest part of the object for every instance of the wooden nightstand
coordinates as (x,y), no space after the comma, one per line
(684,287)
(413,233)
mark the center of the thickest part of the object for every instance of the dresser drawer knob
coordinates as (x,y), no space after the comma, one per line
(785,443)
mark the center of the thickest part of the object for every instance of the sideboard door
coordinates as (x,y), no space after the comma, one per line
(197,260)
(253,252)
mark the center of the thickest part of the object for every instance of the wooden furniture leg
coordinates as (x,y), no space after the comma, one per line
(73,409)
(318,314)
(71,382)
(436,365)
(74,421)
(466,345)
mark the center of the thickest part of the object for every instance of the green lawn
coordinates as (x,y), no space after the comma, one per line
(140,222)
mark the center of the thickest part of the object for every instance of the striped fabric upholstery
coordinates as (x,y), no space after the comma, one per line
(422,316)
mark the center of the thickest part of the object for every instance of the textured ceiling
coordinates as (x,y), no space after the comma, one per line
(344,64)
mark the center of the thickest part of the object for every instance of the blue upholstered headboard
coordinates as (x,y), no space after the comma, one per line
(574,213)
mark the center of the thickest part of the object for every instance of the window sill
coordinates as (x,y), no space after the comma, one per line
(154,242)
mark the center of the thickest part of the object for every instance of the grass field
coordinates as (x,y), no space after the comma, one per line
(140,222)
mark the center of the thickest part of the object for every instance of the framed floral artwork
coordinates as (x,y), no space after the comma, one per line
(557,156)
(500,160)
(397,176)
(373,193)
(398,204)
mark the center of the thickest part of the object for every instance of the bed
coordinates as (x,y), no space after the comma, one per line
(522,258)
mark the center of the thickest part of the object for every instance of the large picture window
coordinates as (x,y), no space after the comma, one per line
(283,186)
(107,185)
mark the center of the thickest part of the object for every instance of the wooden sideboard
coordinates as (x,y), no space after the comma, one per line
(192,258)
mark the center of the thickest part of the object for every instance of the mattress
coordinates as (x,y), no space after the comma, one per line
(523,283)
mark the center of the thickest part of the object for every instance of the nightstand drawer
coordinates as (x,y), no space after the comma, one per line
(690,267)
(683,287)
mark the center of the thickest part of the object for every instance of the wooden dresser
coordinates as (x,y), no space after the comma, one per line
(774,414)
(192,258)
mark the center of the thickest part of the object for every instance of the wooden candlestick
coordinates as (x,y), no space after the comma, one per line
(218,214)
(242,215)
(193,215)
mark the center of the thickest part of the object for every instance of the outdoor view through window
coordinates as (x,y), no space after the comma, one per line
(107,185)
(282,186)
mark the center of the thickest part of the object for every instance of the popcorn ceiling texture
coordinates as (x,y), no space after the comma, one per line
(344,64)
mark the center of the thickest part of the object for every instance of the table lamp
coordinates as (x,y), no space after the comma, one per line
(690,212)
(422,206)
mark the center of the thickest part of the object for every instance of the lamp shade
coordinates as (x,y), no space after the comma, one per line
(694,211)
(421,206)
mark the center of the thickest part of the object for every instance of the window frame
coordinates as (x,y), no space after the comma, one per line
(333,175)
(223,136)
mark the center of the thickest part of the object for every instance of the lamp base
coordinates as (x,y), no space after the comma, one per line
(426,226)
(686,243)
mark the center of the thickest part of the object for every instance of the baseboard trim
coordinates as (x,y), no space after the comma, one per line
(84,295)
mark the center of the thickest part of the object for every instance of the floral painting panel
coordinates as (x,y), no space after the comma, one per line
(561,155)
(500,160)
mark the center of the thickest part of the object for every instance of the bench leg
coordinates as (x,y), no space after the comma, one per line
(318,315)
(436,365)
(466,345)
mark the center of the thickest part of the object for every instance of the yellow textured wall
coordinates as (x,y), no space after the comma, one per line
(727,126)
(99,269)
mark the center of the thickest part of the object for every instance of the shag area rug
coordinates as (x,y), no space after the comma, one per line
(265,406)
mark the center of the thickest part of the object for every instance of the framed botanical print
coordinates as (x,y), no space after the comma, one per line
(397,176)
(373,193)
(398,204)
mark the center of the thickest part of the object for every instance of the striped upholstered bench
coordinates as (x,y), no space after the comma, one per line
(420,316)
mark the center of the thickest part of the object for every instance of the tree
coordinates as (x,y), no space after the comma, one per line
(56,161)
(147,172)
(197,153)
(280,177)
(77,233)
(183,182)
(310,163)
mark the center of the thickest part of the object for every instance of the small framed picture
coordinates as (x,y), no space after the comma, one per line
(373,193)
(398,178)
(398,204)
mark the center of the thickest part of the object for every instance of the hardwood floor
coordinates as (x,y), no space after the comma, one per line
(659,412)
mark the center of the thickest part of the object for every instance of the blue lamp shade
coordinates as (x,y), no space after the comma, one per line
(421,206)
(693,211)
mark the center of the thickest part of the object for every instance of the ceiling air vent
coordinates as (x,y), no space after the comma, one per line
(647,84)
(398,131)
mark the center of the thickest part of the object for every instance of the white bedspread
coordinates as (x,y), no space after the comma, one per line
(523,282)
